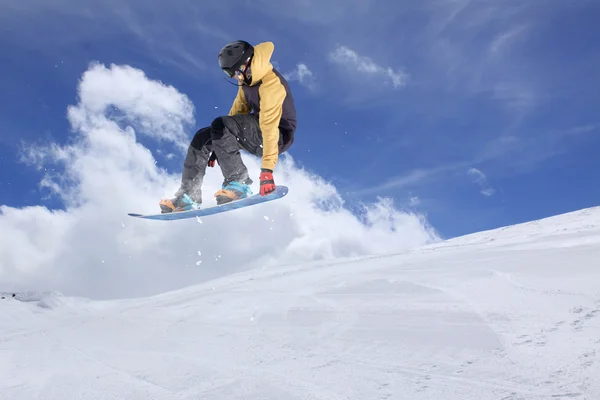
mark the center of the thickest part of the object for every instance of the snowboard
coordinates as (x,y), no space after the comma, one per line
(280,191)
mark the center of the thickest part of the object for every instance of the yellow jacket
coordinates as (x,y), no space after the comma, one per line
(269,96)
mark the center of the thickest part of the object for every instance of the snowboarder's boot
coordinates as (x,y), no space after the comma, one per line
(233,191)
(176,204)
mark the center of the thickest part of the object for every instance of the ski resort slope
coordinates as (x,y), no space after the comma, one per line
(512,313)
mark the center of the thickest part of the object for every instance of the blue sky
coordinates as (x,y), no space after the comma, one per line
(478,114)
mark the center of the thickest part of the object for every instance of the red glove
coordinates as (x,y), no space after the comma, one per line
(212,159)
(267,183)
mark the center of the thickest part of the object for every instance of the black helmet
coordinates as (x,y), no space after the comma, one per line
(234,55)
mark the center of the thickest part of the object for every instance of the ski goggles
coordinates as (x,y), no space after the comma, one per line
(240,69)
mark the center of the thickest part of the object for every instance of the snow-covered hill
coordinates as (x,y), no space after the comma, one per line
(512,313)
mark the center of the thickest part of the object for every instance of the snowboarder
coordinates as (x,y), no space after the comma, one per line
(266,132)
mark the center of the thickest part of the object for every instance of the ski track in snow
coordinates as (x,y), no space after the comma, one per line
(510,314)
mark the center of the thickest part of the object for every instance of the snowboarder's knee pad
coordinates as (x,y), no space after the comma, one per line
(218,125)
(201,138)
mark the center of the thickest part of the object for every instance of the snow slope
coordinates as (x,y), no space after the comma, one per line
(512,313)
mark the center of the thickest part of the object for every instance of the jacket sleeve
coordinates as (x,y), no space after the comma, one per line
(239,106)
(272,94)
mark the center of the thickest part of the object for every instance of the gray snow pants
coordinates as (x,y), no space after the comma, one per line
(226,136)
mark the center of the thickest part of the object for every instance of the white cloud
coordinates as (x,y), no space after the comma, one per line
(304,75)
(351,59)
(174,34)
(126,88)
(331,13)
(478,49)
(92,248)
(503,42)
(527,153)
(481,179)
(411,178)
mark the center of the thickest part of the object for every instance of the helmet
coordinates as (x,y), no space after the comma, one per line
(234,55)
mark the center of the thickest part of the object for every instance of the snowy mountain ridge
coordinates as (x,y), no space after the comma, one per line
(511,313)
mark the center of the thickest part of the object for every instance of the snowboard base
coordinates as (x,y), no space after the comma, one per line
(280,191)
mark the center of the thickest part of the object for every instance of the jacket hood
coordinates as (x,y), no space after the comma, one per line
(261,61)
